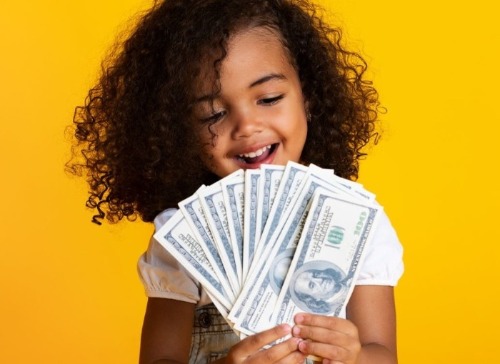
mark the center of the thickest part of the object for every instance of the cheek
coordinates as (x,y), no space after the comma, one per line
(203,145)
(303,133)
(211,137)
(209,157)
(212,155)
(211,147)
(207,138)
(298,126)
(298,138)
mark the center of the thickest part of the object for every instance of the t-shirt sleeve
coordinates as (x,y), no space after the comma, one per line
(383,262)
(162,275)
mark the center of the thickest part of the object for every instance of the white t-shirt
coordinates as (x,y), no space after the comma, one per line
(164,277)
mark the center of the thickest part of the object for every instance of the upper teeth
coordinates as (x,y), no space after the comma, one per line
(256,153)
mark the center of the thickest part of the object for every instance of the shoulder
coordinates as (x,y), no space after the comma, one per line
(163,217)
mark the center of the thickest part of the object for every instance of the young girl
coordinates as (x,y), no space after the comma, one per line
(201,89)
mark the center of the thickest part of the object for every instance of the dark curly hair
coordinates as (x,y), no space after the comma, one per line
(132,138)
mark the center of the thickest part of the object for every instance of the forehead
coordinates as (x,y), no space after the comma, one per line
(254,47)
(263,40)
(250,53)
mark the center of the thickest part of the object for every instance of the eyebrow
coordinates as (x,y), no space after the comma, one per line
(260,81)
(272,76)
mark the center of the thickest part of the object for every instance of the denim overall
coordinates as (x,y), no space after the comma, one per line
(212,337)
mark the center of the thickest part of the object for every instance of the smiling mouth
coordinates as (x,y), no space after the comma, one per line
(257,156)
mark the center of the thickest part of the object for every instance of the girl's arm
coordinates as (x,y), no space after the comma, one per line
(166,332)
(372,310)
(368,336)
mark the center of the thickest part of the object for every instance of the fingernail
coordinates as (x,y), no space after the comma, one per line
(296,330)
(299,318)
(297,341)
(302,345)
(286,328)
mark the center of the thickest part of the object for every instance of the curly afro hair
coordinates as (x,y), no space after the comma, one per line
(132,138)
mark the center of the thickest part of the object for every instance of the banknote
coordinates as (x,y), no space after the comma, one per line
(177,238)
(356,189)
(291,180)
(271,179)
(251,224)
(215,214)
(233,191)
(321,275)
(193,212)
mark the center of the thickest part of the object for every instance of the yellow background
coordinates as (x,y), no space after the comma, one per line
(68,289)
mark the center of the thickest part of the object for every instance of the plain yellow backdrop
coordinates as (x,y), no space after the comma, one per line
(69,291)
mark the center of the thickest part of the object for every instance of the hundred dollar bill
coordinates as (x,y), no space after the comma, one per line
(212,202)
(325,265)
(355,188)
(271,178)
(348,187)
(291,181)
(193,212)
(263,287)
(251,224)
(233,192)
(177,238)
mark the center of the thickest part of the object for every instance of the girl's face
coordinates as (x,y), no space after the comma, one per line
(259,116)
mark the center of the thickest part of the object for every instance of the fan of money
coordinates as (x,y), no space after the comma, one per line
(271,242)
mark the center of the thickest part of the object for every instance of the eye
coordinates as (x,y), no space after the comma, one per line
(214,117)
(269,101)
(311,285)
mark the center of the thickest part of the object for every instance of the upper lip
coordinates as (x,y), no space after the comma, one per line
(258,152)
(252,149)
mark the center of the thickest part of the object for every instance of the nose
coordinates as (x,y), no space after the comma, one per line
(246,123)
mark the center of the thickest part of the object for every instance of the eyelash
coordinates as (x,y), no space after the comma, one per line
(214,117)
(264,102)
(270,101)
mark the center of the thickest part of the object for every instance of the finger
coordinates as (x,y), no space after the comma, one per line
(295,357)
(328,322)
(256,342)
(331,352)
(323,335)
(285,352)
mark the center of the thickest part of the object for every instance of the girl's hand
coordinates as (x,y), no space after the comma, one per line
(250,350)
(334,339)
